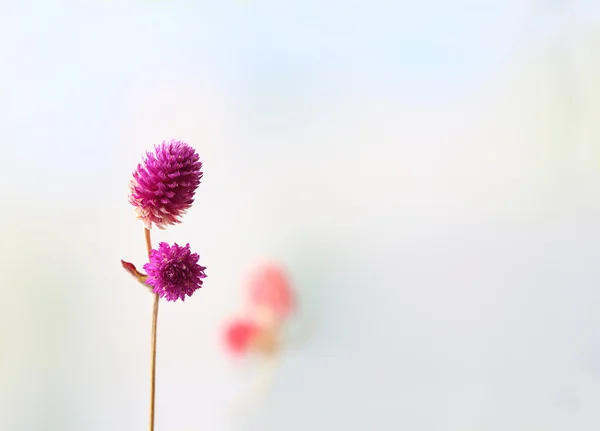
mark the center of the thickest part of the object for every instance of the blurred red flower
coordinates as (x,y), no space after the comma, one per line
(269,302)
(239,334)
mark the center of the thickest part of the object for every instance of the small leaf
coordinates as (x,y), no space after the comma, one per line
(130,268)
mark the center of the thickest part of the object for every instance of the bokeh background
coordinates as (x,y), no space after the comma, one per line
(428,172)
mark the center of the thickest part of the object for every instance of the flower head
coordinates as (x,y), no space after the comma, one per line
(269,289)
(173,271)
(239,334)
(163,185)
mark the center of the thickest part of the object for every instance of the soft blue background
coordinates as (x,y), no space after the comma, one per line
(428,172)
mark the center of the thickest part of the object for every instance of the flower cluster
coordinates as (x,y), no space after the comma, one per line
(162,190)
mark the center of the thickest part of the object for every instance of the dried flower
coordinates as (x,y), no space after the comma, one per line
(163,186)
(269,289)
(173,272)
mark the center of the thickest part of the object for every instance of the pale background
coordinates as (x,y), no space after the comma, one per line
(428,171)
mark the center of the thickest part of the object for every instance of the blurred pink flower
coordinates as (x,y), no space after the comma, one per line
(239,334)
(269,301)
(270,289)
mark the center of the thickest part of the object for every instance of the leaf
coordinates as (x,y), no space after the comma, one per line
(130,268)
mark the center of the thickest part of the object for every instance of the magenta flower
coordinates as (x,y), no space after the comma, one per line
(163,185)
(173,272)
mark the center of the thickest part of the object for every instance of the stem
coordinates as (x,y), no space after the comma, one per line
(260,384)
(153,341)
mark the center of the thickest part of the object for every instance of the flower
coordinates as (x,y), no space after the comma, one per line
(163,185)
(173,272)
(243,335)
(239,334)
(269,289)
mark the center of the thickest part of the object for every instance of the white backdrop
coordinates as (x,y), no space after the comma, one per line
(427,171)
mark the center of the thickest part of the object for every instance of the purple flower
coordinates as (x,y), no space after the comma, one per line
(173,272)
(163,185)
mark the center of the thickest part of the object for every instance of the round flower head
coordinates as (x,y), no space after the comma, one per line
(163,185)
(269,288)
(173,271)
